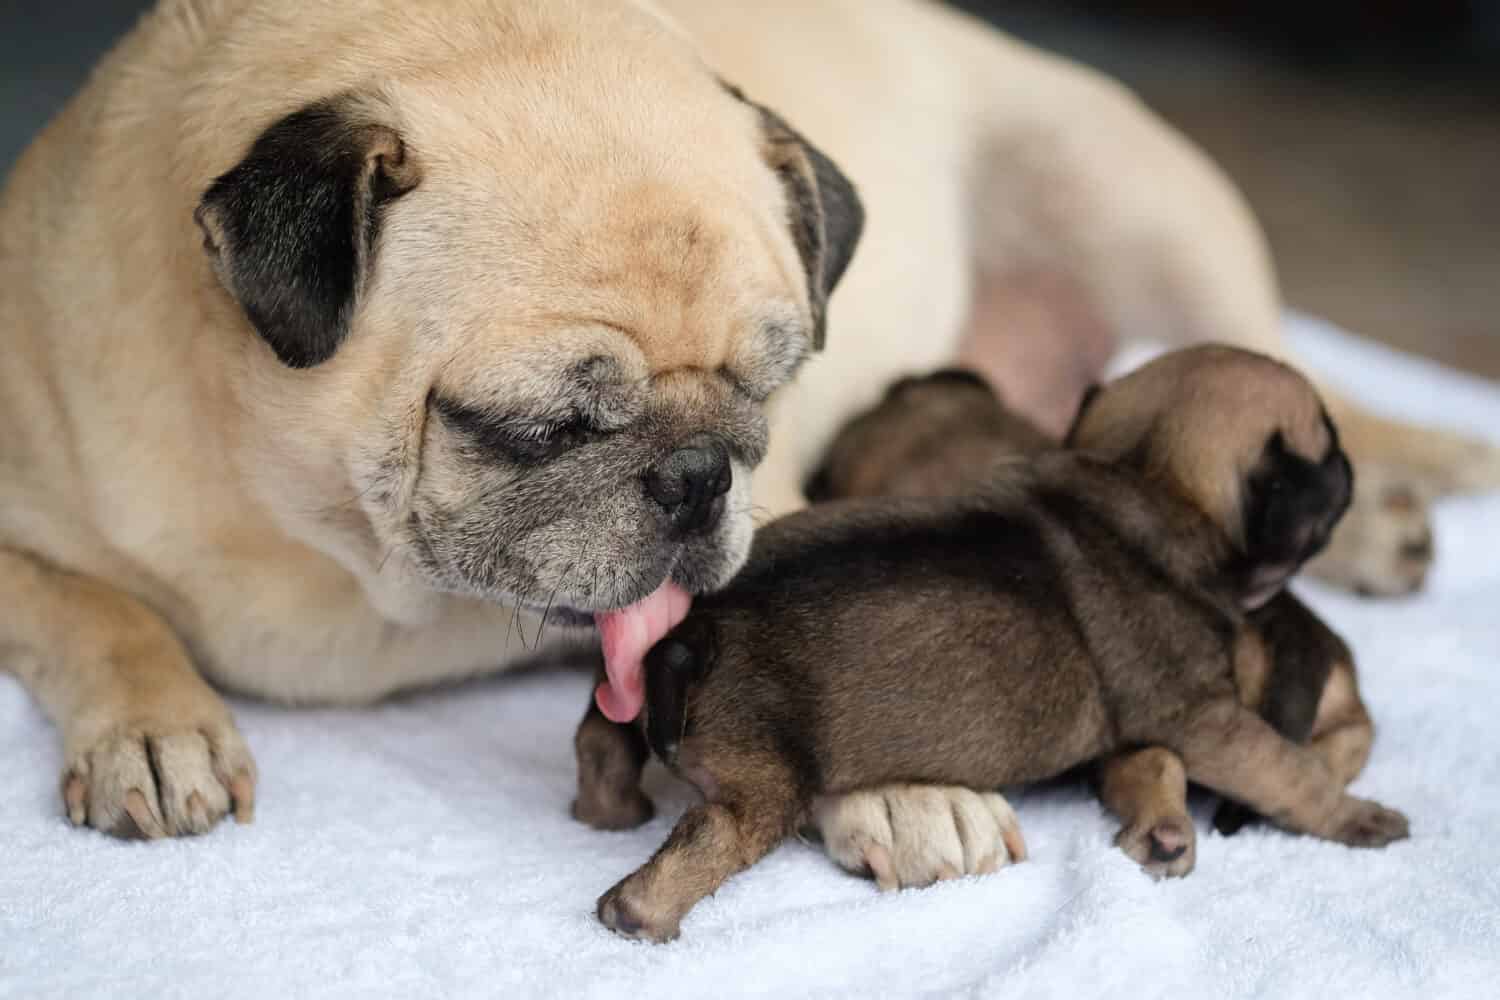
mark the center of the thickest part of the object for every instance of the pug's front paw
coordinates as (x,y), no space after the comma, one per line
(907,836)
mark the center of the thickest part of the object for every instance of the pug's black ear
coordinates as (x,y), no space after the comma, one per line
(291,229)
(824,211)
(1089,395)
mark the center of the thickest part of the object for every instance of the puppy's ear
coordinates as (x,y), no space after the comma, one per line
(292,227)
(672,666)
(825,213)
(1089,395)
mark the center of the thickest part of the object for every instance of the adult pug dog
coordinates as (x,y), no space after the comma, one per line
(342,337)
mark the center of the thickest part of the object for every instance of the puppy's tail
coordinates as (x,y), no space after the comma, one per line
(672,667)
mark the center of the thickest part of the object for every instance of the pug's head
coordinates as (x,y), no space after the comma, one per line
(1240,436)
(511,316)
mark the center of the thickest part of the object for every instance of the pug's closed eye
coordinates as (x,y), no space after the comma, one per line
(520,439)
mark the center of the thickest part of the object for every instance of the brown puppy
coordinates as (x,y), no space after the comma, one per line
(942,434)
(1076,607)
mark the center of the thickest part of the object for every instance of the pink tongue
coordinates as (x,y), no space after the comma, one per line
(627,635)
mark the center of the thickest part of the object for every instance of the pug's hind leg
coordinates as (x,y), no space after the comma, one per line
(610,760)
(709,844)
(1147,790)
(1236,753)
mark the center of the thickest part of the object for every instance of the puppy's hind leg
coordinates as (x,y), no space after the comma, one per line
(1147,789)
(750,814)
(1236,753)
(150,749)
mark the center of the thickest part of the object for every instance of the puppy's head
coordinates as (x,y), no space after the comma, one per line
(512,313)
(1243,438)
(931,435)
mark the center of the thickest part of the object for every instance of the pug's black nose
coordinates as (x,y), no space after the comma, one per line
(690,484)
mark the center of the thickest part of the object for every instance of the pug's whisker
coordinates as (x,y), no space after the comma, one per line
(347,504)
(515,613)
(562,577)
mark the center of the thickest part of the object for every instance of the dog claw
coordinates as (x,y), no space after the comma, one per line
(75,797)
(139,810)
(242,791)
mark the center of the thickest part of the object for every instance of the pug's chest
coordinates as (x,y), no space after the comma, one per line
(310,633)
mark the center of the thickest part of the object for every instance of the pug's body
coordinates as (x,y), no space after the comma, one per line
(949,433)
(1075,606)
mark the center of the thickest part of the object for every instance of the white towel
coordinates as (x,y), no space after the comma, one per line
(424,848)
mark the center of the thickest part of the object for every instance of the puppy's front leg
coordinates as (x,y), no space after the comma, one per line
(610,760)
(709,844)
(1236,753)
(1147,789)
(1341,733)
(150,749)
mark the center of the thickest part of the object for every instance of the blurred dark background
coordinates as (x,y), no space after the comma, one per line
(1365,134)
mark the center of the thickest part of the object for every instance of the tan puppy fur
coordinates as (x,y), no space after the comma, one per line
(259,513)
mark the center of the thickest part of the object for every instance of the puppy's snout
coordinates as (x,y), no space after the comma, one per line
(690,484)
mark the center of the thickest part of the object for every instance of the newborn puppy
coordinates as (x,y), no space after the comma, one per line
(943,434)
(1075,607)
(935,435)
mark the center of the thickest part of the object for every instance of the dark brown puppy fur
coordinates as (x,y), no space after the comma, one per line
(1078,606)
(942,434)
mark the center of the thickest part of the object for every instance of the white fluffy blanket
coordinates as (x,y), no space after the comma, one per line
(424,848)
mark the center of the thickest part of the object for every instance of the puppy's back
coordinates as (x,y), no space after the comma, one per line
(893,641)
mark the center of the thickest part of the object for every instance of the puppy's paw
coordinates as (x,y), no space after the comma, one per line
(164,779)
(1383,547)
(623,810)
(913,835)
(1164,847)
(1361,823)
(627,910)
